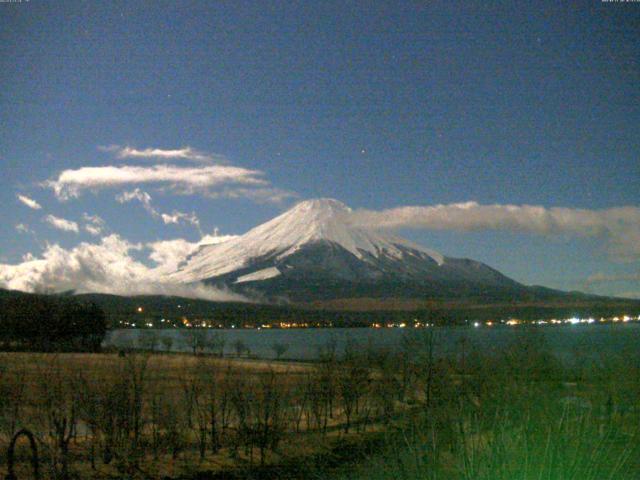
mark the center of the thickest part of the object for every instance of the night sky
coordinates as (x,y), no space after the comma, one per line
(211,116)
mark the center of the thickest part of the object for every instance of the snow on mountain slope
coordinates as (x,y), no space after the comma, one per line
(321,220)
(263,274)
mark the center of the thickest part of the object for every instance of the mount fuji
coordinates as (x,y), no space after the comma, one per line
(312,253)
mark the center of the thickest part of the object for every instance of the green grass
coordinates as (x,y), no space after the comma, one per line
(520,416)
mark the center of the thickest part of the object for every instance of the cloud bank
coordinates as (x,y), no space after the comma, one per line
(619,226)
(106,267)
(182,180)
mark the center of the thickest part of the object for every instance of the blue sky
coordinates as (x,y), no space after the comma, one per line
(375,104)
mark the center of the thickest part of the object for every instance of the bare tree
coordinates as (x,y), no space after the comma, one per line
(201,411)
(268,419)
(241,398)
(195,339)
(216,342)
(167,342)
(321,390)
(240,347)
(149,340)
(172,424)
(352,379)
(279,349)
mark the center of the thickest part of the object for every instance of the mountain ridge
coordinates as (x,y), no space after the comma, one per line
(312,252)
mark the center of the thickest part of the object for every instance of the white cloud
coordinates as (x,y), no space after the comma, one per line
(62,224)
(167,254)
(137,194)
(269,195)
(184,153)
(215,238)
(93,229)
(95,225)
(177,217)
(620,226)
(144,198)
(29,202)
(22,228)
(106,267)
(182,180)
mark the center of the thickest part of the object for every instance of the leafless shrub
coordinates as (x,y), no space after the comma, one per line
(58,404)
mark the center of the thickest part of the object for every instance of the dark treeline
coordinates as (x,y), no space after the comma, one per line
(119,309)
(47,323)
(227,314)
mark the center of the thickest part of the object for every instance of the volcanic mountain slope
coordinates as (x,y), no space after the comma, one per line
(312,252)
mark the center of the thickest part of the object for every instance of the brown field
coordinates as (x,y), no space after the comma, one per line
(158,415)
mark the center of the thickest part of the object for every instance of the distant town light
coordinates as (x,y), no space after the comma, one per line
(140,310)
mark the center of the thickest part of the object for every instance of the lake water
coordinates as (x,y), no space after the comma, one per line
(567,342)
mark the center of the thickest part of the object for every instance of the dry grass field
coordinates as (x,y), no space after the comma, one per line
(165,415)
(515,414)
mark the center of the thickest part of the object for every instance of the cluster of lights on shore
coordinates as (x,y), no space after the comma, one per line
(185,322)
(554,321)
(514,321)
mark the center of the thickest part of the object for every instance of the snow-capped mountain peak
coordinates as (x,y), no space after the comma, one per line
(319,220)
